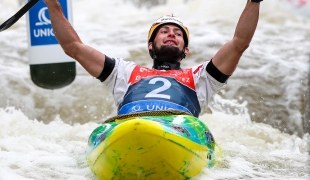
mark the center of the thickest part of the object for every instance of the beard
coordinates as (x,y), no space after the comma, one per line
(167,53)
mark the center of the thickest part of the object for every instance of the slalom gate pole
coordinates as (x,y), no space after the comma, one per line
(50,67)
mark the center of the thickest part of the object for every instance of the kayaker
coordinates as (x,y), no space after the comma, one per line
(165,86)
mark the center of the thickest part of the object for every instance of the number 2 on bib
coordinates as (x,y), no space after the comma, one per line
(156,92)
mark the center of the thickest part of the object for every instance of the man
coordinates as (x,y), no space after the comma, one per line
(166,86)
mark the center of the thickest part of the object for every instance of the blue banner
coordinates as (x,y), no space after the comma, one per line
(41,32)
(150,105)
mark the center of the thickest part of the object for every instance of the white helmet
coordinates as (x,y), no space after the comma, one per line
(168,19)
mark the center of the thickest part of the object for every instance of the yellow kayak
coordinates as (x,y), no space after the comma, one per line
(151,147)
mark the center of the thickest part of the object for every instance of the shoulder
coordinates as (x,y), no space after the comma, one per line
(209,69)
(120,62)
(112,67)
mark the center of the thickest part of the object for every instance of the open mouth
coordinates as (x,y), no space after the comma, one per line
(170,42)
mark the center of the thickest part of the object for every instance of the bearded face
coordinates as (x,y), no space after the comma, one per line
(168,47)
(167,53)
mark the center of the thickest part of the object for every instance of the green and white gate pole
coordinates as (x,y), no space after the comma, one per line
(50,67)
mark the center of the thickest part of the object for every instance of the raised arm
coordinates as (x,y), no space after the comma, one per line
(91,59)
(227,58)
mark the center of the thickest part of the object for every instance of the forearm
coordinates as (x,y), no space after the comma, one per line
(63,30)
(91,59)
(247,25)
(227,58)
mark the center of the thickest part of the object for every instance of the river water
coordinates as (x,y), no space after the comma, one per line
(259,119)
